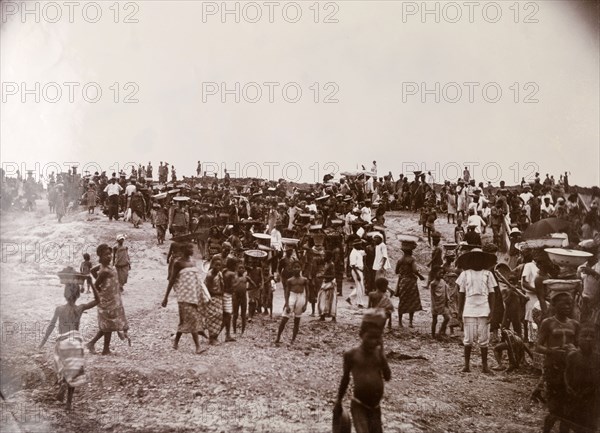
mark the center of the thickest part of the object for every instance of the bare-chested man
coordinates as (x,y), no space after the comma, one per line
(296,295)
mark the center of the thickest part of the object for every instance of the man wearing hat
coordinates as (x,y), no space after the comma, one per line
(476,302)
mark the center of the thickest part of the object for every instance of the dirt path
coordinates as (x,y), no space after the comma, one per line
(246,386)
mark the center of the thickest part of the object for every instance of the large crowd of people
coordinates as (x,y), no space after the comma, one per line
(253,234)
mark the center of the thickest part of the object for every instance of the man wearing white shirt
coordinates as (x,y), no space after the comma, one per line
(113,190)
(348,220)
(547,209)
(357,266)
(129,191)
(382,262)
(476,220)
(476,298)
(526,195)
(589,273)
(528,276)
(430,179)
(277,246)
(365,213)
(369,187)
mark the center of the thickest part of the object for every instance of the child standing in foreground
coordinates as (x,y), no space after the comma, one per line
(450,277)
(459,231)
(68,352)
(436,253)
(241,282)
(439,300)
(90,197)
(369,368)
(85,268)
(430,224)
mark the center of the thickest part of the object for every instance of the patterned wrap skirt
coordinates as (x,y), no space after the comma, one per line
(190,318)
(408,292)
(213,313)
(68,358)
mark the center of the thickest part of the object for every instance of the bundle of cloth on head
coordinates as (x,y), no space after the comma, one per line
(373,320)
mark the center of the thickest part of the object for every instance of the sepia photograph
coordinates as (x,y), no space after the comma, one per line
(303,216)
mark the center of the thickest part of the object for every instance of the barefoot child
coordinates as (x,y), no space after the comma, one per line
(459,231)
(380,298)
(240,297)
(68,352)
(85,268)
(439,300)
(90,198)
(256,275)
(450,277)
(214,309)
(437,253)
(228,280)
(369,368)
(431,216)
(187,284)
(295,295)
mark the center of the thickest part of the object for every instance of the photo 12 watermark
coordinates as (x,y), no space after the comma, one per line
(70,92)
(53,12)
(451,12)
(250,12)
(290,92)
(60,253)
(471,92)
(490,171)
(35,414)
(290,171)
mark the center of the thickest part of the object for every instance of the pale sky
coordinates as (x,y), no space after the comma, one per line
(369,55)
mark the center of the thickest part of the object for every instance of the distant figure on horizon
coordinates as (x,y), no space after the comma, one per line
(466,175)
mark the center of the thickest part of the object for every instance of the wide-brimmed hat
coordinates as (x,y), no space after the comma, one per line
(476,259)
(120,236)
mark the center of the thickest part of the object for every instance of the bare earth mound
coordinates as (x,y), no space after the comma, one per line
(246,386)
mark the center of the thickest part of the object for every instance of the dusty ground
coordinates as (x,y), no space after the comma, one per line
(246,386)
